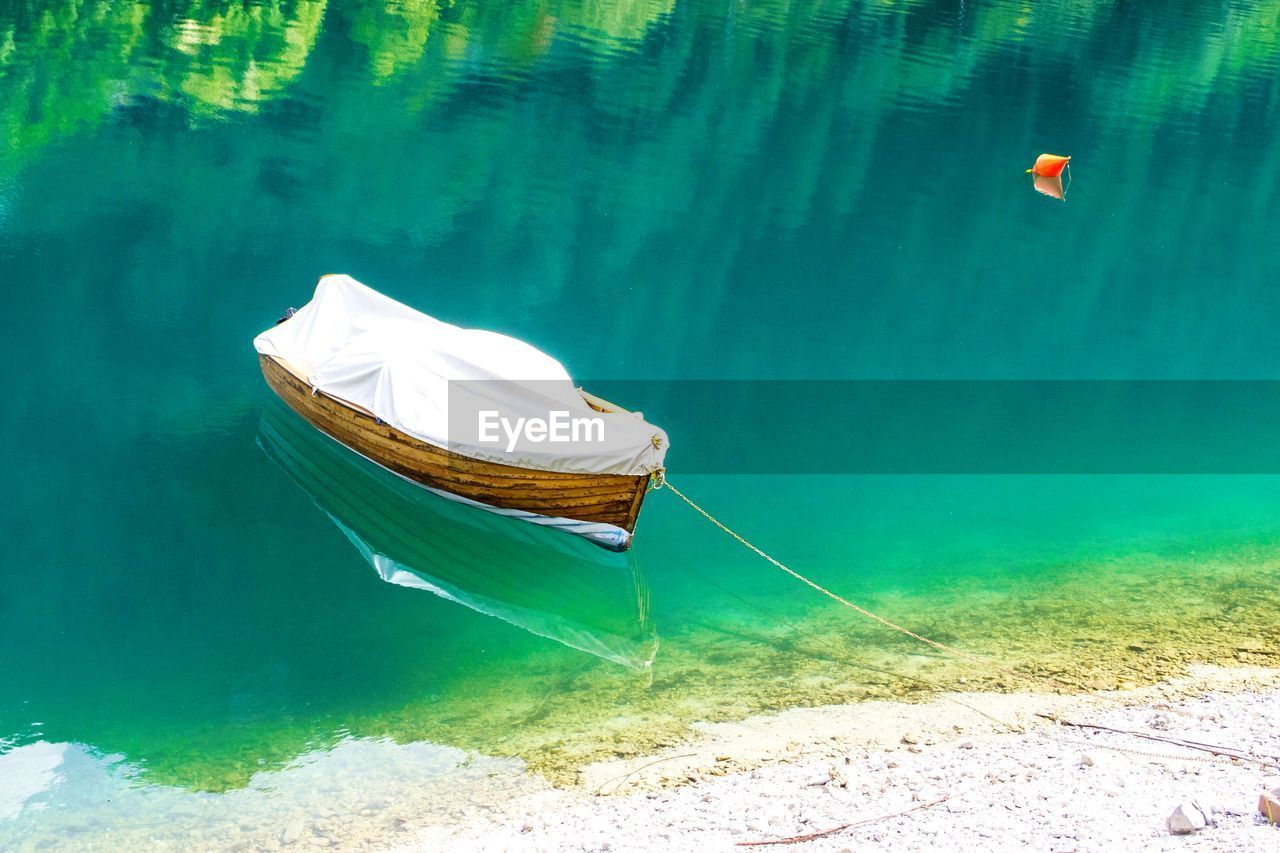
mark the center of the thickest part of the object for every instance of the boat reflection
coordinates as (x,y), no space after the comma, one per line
(540,580)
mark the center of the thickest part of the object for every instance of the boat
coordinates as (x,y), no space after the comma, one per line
(425,399)
(557,587)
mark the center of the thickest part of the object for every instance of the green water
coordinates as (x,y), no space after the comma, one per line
(194,620)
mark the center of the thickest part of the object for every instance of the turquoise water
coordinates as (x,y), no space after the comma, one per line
(201,604)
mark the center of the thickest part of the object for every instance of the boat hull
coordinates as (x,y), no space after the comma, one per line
(588,503)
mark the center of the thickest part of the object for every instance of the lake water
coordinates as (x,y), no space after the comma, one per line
(213,622)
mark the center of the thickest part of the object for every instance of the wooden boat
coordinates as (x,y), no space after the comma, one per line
(380,378)
(609,499)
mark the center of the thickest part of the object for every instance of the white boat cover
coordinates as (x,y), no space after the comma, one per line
(357,345)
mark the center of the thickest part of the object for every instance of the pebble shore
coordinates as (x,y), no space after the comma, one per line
(954,776)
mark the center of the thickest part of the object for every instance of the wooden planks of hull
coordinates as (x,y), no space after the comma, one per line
(609,498)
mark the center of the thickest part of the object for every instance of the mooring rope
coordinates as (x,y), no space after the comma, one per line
(665,483)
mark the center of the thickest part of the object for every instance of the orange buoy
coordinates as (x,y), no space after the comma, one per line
(1049,165)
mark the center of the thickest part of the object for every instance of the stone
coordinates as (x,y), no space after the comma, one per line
(1186,819)
(1086,760)
(836,778)
(1269,805)
(292,831)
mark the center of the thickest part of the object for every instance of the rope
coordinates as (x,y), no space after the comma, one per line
(829,594)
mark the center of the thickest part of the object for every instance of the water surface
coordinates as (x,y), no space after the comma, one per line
(201,614)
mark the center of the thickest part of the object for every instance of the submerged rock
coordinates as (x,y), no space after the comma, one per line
(292,831)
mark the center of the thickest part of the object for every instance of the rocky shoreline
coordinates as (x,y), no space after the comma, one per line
(973,771)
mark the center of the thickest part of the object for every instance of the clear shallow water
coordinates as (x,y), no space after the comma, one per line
(646,190)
